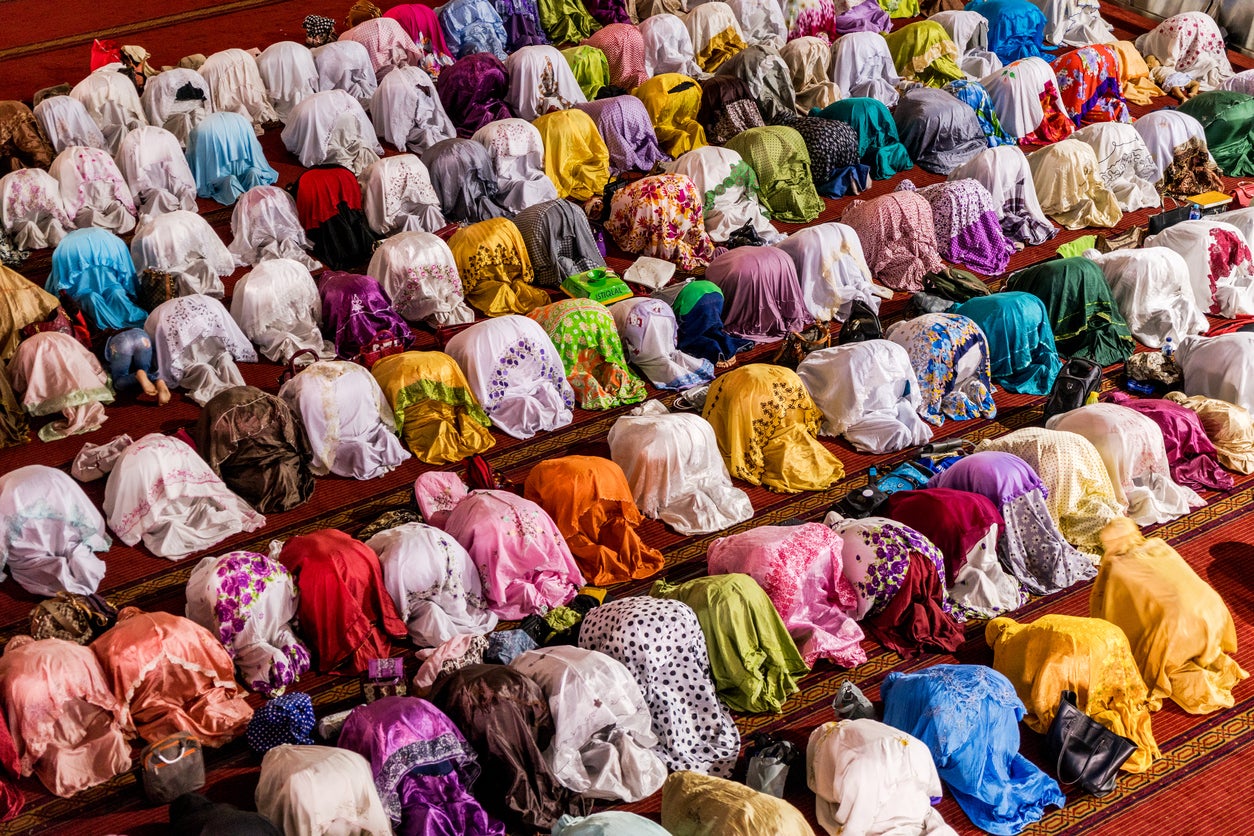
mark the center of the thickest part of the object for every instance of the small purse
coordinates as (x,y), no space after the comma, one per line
(1243,194)
(769,762)
(862,324)
(155,287)
(799,344)
(1083,751)
(1075,384)
(384,344)
(172,766)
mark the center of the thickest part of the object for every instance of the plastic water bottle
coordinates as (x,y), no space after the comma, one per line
(1169,349)
(1195,212)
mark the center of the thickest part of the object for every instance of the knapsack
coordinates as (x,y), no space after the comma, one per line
(1076,382)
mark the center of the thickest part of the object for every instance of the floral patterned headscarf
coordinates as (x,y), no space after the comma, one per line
(953,385)
(249,601)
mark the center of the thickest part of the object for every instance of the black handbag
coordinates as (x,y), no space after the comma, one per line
(1083,751)
(863,324)
(1169,217)
(1076,381)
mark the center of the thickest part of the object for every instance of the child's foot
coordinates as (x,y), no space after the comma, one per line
(163,393)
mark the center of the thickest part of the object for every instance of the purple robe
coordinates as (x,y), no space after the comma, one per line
(1190,452)
(864,17)
(624,124)
(357,312)
(422,766)
(761,292)
(473,90)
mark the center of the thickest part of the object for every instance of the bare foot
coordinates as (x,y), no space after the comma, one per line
(163,393)
(141,377)
(725,364)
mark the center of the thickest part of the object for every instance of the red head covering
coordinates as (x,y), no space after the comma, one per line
(953,520)
(321,190)
(345,614)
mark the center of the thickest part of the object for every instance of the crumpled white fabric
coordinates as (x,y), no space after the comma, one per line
(1132,448)
(156,171)
(288,71)
(93,191)
(31,210)
(675,470)
(112,101)
(330,127)
(67,123)
(407,111)
(1151,288)
(1075,22)
(197,345)
(871,779)
(264,224)
(540,80)
(236,87)
(349,423)
(345,65)
(165,110)
(1219,367)
(969,32)
(1123,163)
(433,582)
(51,532)
(183,244)
(517,152)
(163,493)
(603,739)
(862,66)
(315,790)
(1229,294)
(277,306)
(419,273)
(397,196)
(832,270)
(867,392)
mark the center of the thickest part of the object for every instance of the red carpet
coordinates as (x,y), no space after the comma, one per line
(1178,796)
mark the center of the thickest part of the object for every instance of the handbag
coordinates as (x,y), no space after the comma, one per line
(862,324)
(384,344)
(155,287)
(1243,194)
(292,369)
(1169,217)
(172,766)
(1083,751)
(1078,380)
(798,344)
(954,284)
(769,761)
(72,617)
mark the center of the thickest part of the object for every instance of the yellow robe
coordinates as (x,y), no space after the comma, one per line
(494,267)
(767,427)
(1179,628)
(1090,656)
(439,417)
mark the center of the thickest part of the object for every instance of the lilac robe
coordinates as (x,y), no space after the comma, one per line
(867,16)
(762,295)
(624,124)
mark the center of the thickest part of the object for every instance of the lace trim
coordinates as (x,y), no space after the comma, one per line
(79,397)
(404,760)
(919,63)
(192,667)
(741,174)
(430,390)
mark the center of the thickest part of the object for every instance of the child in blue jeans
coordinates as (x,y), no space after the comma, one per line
(129,357)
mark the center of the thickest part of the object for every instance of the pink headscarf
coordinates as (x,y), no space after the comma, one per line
(623,46)
(422,25)
(898,238)
(800,569)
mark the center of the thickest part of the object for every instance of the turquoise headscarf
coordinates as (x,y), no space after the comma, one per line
(1020,340)
(878,144)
